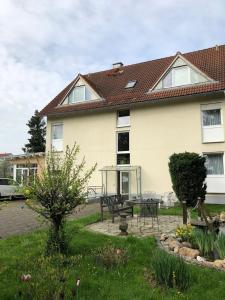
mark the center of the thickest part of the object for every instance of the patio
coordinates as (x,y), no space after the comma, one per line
(139,228)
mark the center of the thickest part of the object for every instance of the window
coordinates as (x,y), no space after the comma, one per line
(211,117)
(79,94)
(25,173)
(180,74)
(130,84)
(123,118)
(123,148)
(57,137)
(212,129)
(214,164)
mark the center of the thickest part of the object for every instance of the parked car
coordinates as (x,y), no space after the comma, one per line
(10,189)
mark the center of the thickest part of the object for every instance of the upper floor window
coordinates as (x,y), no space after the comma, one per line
(78,94)
(180,74)
(211,117)
(57,137)
(123,118)
(212,129)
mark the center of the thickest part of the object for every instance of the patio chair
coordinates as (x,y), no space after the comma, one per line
(115,205)
(149,210)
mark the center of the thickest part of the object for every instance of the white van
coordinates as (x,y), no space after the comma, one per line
(10,189)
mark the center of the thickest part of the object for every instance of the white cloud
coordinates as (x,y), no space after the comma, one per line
(45,43)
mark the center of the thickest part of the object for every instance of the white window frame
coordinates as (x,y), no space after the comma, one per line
(52,147)
(204,128)
(188,73)
(216,175)
(122,152)
(117,119)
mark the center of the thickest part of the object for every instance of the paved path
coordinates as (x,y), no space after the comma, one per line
(140,227)
(17,218)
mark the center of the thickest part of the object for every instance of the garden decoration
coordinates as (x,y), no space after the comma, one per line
(123,224)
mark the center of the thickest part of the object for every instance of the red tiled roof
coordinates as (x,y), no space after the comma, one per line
(110,84)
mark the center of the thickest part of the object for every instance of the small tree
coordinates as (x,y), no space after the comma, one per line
(59,190)
(37,131)
(188,174)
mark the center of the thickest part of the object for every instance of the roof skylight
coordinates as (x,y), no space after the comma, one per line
(130,84)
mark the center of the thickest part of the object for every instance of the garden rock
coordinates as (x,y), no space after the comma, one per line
(163,237)
(222,216)
(188,252)
(219,263)
(173,244)
(186,244)
(200,259)
(176,250)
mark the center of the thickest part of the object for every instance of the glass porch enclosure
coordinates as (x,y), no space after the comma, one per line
(122,180)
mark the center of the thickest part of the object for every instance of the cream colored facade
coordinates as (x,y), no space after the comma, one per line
(156,132)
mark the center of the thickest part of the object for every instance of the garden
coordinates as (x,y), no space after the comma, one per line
(68,261)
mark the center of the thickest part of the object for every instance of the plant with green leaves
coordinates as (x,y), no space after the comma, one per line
(204,241)
(170,271)
(58,191)
(220,246)
(188,174)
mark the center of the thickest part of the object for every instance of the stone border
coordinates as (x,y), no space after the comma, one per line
(205,264)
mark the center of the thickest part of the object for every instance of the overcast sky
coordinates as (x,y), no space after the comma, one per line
(45,43)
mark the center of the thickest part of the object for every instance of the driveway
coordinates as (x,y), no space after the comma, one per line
(17,218)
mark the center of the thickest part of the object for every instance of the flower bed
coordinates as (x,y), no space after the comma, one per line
(196,246)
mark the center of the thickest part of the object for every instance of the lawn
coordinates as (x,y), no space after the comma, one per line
(177,210)
(24,254)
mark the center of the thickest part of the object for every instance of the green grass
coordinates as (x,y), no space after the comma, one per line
(177,210)
(20,255)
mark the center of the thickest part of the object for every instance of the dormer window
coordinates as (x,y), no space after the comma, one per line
(78,94)
(180,74)
(81,92)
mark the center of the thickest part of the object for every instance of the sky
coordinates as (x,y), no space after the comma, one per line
(44,44)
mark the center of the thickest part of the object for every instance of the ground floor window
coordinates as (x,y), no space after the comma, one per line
(25,173)
(215,163)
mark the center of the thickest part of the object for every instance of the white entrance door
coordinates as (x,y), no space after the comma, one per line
(124,184)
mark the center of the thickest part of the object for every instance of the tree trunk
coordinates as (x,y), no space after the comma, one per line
(184,204)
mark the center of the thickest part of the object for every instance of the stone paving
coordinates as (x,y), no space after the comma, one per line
(139,227)
(17,218)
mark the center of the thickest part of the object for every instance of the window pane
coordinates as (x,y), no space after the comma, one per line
(211,117)
(70,98)
(196,77)
(214,164)
(4,181)
(79,93)
(57,132)
(167,81)
(180,76)
(123,118)
(123,159)
(123,141)
(88,95)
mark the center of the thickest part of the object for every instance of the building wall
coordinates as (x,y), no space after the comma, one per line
(39,160)
(156,132)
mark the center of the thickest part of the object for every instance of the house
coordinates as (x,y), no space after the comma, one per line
(5,168)
(27,166)
(130,119)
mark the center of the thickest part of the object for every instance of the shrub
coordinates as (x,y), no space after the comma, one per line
(204,241)
(220,246)
(170,271)
(55,194)
(184,232)
(188,173)
(110,256)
